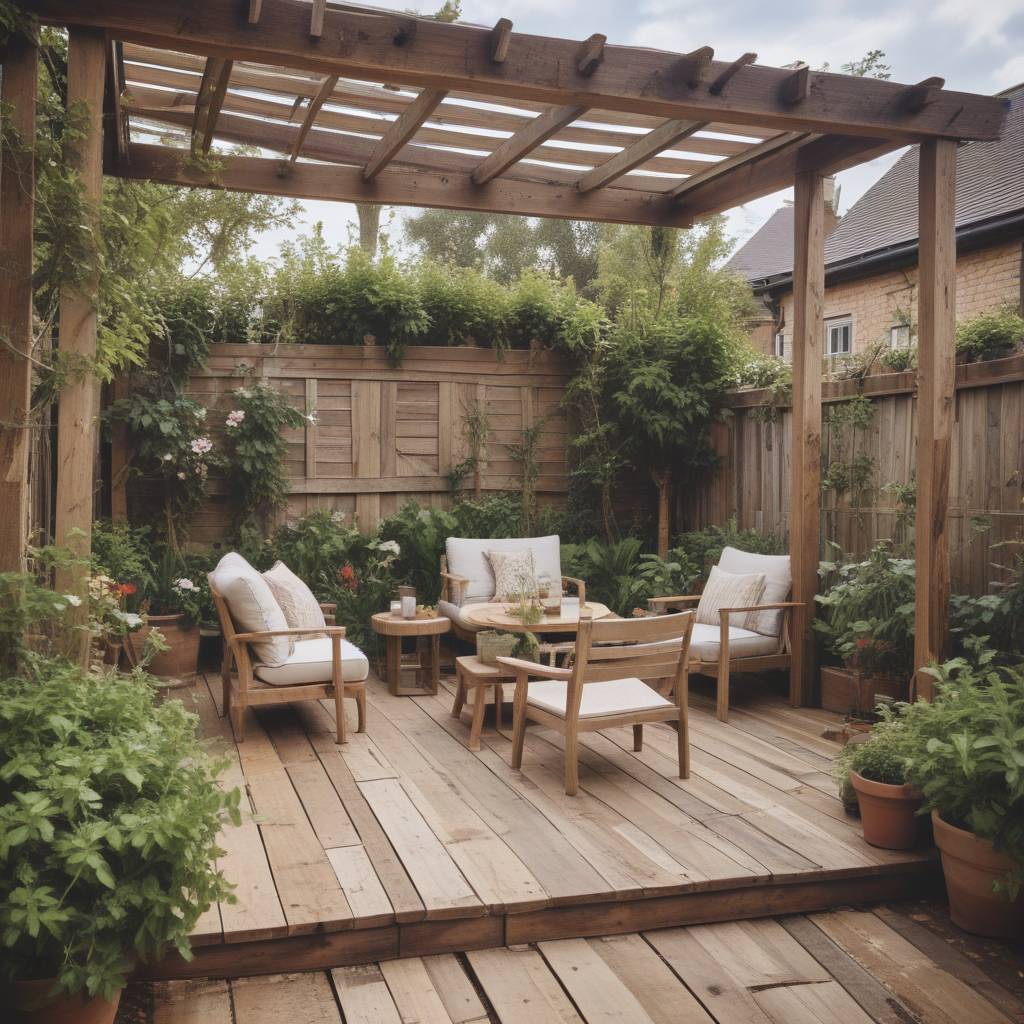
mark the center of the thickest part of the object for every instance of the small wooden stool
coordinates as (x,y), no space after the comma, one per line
(472,672)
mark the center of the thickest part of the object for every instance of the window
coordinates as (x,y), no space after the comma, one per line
(839,336)
(899,336)
(779,345)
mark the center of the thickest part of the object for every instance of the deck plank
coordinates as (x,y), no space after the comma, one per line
(364,995)
(521,988)
(273,998)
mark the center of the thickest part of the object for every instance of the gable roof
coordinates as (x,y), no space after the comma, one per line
(989,188)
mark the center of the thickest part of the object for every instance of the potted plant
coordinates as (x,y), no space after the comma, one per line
(867,621)
(109,813)
(877,772)
(967,762)
(175,606)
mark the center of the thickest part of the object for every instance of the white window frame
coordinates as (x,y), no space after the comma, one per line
(895,341)
(779,345)
(836,324)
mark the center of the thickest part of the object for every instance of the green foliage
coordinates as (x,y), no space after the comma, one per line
(125,554)
(526,455)
(462,306)
(999,617)
(495,515)
(883,758)
(990,335)
(256,447)
(867,614)
(476,428)
(180,587)
(849,471)
(704,547)
(109,812)
(757,370)
(316,546)
(897,360)
(969,760)
(419,534)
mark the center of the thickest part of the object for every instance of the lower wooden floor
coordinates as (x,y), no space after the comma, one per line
(404,843)
(840,967)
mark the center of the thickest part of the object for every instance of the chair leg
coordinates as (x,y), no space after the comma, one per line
(572,767)
(460,696)
(238,721)
(723,691)
(479,706)
(361,708)
(518,735)
(225,679)
(683,740)
(638,737)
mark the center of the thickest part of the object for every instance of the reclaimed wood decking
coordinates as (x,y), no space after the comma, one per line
(405,843)
(844,967)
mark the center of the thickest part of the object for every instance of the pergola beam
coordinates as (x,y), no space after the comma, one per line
(723,167)
(400,131)
(649,145)
(527,139)
(398,185)
(210,99)
(420,52)
(325,90)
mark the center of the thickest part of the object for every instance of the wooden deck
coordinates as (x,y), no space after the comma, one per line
(405,843)
(845,967)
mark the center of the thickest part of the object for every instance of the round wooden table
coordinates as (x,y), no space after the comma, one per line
(394,628)
(495,615)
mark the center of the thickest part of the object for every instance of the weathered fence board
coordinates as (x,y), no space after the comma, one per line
(383,436)
(987,472)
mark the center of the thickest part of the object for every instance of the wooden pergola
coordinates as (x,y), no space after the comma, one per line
(366,105)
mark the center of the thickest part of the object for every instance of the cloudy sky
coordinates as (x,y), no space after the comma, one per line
(976,46)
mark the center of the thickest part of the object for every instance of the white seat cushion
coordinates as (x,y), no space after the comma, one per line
(468,557)
(310,662)
(705,642)
(778,582)
(615,697)
(252,606)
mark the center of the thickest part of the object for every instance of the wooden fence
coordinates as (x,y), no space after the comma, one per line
(986,482)
(382,435)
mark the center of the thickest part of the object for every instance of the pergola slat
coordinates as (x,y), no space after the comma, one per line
(725,166)
(325,90)
(524,142)
(209,101)
(643,149)
(399,132)
(430,54)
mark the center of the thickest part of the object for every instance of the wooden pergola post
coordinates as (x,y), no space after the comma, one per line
(936,319)
(17,195)
(805,470)
(77,410)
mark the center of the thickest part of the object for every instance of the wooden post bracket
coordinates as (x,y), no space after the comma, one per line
(591,54)
(695,65)
(501,36)
(717,87)
(917,97)
(798,86)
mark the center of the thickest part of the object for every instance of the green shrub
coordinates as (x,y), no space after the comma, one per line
(967,758)
(990,335)
(125,554)
(763,371)
(463,307)
(496,515)
(704,547)
(897,360)
(883,758)
(109,813)
(420,534)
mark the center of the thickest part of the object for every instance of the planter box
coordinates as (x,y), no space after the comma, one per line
(843,690)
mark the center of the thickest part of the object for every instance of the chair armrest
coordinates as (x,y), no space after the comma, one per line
(581,587)
(762,607)
(655,604)
(456,582)
(329,608)
(533,668)
(268,634)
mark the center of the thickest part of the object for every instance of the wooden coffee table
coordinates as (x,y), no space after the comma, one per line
(394,628)
(495,615)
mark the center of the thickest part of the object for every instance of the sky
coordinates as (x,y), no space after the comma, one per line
(976,46)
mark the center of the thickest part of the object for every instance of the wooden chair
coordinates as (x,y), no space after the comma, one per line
(720,667)
(244,690)
(604,686)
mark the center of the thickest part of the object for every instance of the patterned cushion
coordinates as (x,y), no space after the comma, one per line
(253,607)
(514,573)
(728,590)
(301,609)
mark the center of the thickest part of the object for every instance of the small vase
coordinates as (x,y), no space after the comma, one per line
(33,1004)
(888,813)
(971,866)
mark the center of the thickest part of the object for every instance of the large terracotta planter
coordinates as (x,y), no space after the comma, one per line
(888,813)
(182,657)
(33,1005)
(971,866)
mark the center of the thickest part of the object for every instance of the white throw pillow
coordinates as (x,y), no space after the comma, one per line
(253,607)
(778,583)
(728,590)
(301,608)
(514,574)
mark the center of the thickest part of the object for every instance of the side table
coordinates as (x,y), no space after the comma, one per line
(394,628)
(472,672)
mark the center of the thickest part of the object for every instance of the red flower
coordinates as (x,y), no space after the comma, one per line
(125,589)
(863,642)
(349,579)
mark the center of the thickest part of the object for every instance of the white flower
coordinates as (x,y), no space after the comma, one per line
(182,475)
(167,457)
(185,584)
(73,599)
(201,413)
(201,445)
(235,418)
(311,418)
(392,546)
(131,619)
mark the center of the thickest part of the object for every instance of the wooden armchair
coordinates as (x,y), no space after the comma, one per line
(245,688)
(711,654)
(604,687)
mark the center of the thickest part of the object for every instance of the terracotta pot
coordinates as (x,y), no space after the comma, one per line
(182,657)
(888,813)
(34,1006)
(971,866)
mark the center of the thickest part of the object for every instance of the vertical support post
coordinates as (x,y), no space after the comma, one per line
(936,383)
(77,411)
(805,492)
(17,196)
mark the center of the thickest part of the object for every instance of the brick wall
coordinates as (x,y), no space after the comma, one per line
(985,279)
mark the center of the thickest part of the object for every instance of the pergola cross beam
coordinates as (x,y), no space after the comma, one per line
(402,130)
(525,141)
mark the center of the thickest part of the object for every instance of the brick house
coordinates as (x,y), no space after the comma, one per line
(871,253)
